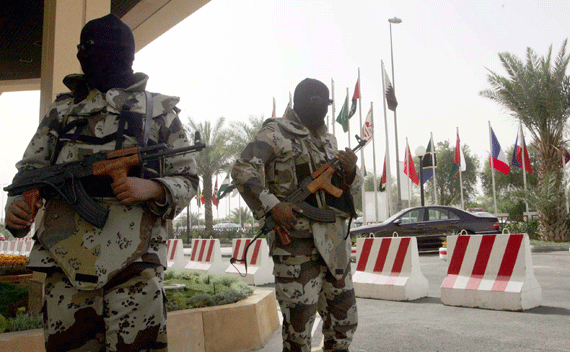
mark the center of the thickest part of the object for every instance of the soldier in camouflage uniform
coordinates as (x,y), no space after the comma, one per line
(104,288)
(313,272)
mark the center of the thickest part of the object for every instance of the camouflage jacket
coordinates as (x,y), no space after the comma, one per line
(269,169)
(137,232)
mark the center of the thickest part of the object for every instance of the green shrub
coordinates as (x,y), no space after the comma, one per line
(204,290)
(3,324)
(24,321)
(9,294)
(201,300)
(529,227)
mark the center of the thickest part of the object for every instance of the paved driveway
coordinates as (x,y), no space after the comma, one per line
(428,325)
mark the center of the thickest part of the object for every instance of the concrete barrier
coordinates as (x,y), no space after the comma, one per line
(259,264)
(389,268)
(27,248)
(11,248)
(175,254)
(4,245)
(492,272)
(206,256)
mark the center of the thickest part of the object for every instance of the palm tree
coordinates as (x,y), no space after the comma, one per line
(212,160)
(242,132)
(538,94)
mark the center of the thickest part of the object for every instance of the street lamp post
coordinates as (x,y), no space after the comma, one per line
(395,20)
(420,152)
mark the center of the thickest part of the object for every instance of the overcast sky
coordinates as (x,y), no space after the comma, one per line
(231,58)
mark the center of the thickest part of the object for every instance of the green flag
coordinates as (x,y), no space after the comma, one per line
(343,116)
(223,187)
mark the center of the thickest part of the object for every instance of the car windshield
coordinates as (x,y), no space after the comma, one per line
(395,216)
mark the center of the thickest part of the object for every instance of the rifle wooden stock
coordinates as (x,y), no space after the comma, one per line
(322,180)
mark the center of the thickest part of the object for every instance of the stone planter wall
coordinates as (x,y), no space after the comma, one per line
(238,327)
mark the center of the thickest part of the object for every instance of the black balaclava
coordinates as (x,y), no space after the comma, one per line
(106,53)
(311,102)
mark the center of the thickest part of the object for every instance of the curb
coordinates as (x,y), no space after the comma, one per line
(543,249)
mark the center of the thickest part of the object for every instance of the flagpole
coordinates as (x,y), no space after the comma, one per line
(364,220)
(523,164)
(434,168)
(406,163)
(376,217)
(348,119)
(333,108)
(492,168)
(387,155)
(460,178)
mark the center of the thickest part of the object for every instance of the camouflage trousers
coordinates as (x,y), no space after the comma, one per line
(303,286)
(127,314)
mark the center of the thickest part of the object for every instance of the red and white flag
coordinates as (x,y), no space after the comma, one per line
(409,167)
(368,128)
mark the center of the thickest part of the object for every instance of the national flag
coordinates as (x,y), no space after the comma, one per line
(389,93)
(355,97)
(364,170)
(458,160)
(289,105)
(429,162)
(368,128)
(214,199)
(273,113)
(343,116)
(198,196)
(499,162)
(518,152)
(202,198)
(409,167)
(223,187)
(383,179)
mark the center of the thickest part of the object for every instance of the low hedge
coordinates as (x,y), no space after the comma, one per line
(203,290)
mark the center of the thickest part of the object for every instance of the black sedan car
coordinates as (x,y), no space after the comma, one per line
(430,224)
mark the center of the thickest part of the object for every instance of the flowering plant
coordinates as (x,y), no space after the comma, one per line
(13,265)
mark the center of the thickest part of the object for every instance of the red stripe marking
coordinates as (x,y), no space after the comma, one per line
(168,246)
(508,263)
(255,252)
(456,261)
(366,246)
(245,246)
(382,253)
(194,249)
(173,250)
(210,250)
(400,256)
(236,248)
(481,262)
(202,249)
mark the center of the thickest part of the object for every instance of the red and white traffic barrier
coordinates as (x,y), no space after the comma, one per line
(19,246)
(4,245)
(259,264)
(11,249)
(443,253)
(490,271)
(175,254)
(389,268)
(27,248)
(206,256)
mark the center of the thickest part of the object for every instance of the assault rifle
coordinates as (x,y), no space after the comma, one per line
(64,179)
(320,179)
